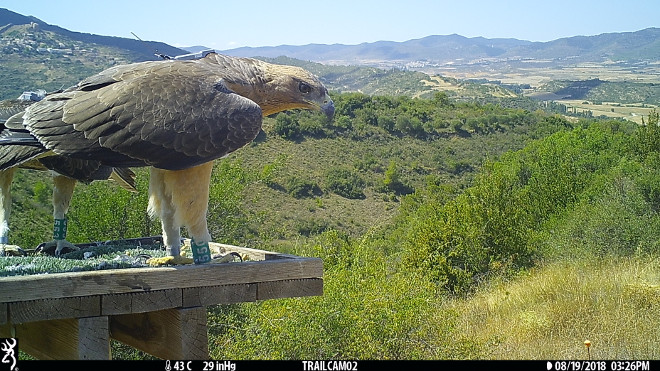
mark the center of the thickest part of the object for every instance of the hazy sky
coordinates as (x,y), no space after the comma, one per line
(229,24)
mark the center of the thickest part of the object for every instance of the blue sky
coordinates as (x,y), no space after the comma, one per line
(229,24)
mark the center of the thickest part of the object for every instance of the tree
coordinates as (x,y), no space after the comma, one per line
(392,181)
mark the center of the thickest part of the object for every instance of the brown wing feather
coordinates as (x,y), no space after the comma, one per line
(170,114)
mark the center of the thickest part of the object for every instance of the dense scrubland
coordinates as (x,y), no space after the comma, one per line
(447,230)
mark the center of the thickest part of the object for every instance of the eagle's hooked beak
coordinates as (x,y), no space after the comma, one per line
(328,107)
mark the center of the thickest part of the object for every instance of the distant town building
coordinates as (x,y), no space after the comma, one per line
(33,95)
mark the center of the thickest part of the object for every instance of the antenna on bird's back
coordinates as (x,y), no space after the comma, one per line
(197,55)
(159,55)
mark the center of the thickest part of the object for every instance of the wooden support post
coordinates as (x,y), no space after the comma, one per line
(6,330)
(166,334)
(65,339)
(4,313)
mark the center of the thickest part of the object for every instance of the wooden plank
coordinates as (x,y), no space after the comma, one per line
(226,294)
(47,309)
(140,302)
(115,281)
(288,289)
(66,339)
(166,334)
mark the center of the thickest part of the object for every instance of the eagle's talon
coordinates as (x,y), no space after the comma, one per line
(56,248)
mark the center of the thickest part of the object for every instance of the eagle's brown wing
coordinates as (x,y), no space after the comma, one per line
(167,114)
(27,156)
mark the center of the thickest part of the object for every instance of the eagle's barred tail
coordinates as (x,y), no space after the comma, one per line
(125,177)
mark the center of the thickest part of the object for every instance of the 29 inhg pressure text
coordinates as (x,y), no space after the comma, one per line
(219,366)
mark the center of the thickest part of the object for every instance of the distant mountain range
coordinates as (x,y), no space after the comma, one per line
(438,50)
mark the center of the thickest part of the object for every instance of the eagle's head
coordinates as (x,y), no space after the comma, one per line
(294,87)
(276,88)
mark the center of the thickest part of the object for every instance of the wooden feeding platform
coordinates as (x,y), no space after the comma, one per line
(159,310)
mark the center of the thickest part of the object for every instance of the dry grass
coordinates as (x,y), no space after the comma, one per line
(614,303)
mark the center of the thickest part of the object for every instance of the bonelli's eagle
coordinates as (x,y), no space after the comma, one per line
(175,116)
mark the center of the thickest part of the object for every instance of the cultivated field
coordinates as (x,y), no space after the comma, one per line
(536,73)
(631,112)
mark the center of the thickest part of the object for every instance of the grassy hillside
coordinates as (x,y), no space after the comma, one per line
(33,59)
(552,310)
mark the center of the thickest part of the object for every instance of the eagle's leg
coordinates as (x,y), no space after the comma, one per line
(62,193)
(194,218)
(160,205)
(6,177)
(180,198)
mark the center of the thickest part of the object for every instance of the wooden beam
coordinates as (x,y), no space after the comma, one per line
(40,310)
(211,295)
(140,302)
(166,334)
(66,339)
(94,338)
(289,289)
(117,281)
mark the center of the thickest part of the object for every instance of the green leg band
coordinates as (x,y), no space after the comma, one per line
(201,252)
(59,229)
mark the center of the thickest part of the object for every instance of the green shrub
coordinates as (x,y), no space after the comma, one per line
(345,183)
(287,127)
(309,227)
(301,188)
(392,181)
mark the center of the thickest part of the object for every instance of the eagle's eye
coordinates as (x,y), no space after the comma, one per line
(304,88)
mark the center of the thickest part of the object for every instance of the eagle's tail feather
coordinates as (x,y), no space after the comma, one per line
(125,177)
